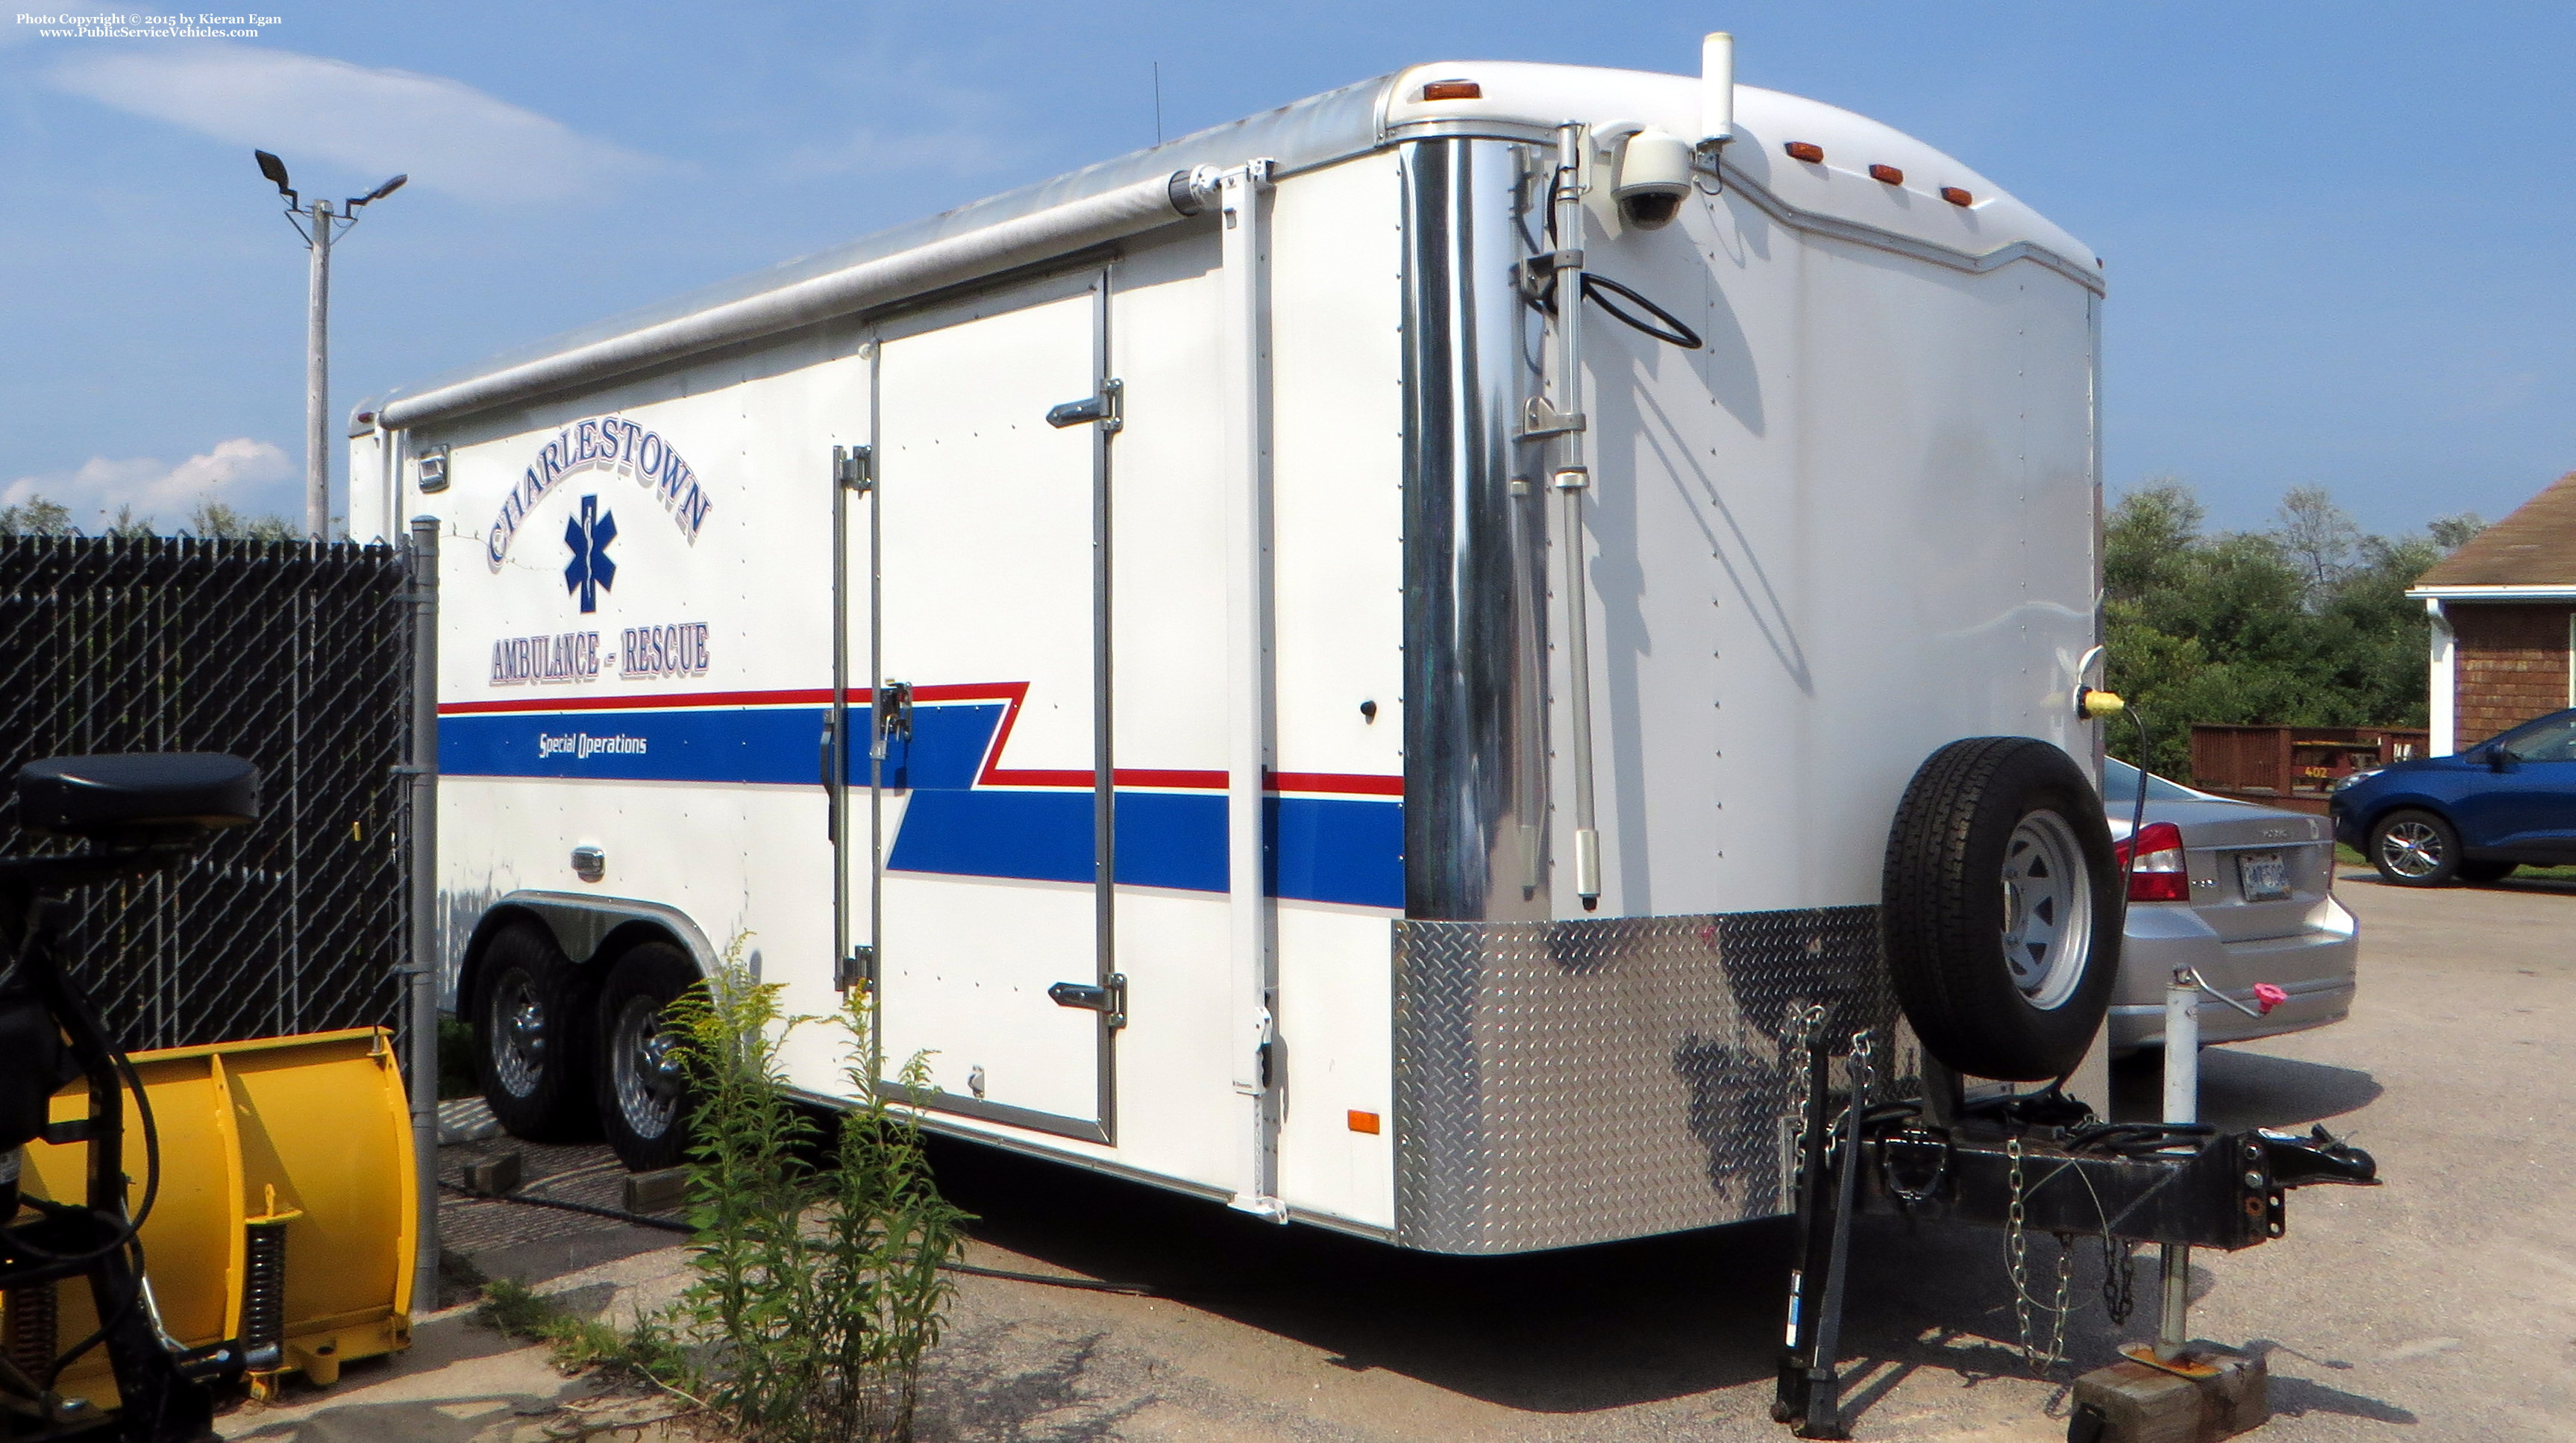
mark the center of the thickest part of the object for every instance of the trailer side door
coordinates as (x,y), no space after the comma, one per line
(993,781)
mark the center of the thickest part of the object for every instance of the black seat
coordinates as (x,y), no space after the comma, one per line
(138,797)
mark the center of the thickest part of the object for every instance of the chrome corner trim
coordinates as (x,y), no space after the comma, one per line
(1474,598)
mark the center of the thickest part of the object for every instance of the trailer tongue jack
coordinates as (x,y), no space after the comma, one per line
(2040,1163)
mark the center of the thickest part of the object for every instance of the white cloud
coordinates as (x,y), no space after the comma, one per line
(445,134)
(241,473)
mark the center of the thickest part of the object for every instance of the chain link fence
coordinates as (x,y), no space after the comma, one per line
(294,655)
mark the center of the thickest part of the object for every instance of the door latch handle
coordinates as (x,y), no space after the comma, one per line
(891,716)
(1109,998)
(1103,407)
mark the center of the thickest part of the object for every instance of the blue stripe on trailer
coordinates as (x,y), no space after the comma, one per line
(1322,849)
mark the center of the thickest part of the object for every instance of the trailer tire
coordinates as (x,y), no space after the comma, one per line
(531,1048)
(643,1094)
(2001,909)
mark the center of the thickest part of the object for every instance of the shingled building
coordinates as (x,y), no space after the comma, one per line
(2504,622)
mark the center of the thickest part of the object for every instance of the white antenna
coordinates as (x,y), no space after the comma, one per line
(1716,90)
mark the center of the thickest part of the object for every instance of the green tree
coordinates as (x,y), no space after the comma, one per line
(36,516)
(2306,623)
(214,519)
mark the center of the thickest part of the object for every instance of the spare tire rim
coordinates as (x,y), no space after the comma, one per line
(518,1033)
(2411,849)
(2048,910)
(644,1058)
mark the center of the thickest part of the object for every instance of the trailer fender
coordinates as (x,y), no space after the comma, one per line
(590,930)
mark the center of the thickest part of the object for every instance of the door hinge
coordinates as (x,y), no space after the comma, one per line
(859,969)
(1109,998)
(1540,419)
(1108,408)
(891,713)
(855,467)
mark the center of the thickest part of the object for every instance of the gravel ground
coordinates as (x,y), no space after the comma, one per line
(2442,1306)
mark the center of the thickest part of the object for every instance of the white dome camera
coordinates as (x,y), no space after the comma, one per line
(1654,178)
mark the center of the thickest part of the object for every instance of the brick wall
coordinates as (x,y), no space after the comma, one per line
(2511,665)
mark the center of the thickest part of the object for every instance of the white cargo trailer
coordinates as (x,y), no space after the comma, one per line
(1283,693)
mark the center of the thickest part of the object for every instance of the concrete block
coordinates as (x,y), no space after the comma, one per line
(2211,1392)
(657,1192)
(496,1173)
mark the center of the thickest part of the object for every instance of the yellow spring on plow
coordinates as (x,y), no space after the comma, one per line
(285,1217)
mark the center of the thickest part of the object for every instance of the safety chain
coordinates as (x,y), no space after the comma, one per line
(2016,1260)
(2015,1246)
(2119,1278)
(2065,1281)
(1864,1071)
(1808,1022)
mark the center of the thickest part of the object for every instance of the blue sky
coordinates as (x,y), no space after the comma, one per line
(2338,238)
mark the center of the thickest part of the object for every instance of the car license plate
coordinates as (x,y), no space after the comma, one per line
(2262,876)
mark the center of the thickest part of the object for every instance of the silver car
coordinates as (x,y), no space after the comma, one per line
(2244,894)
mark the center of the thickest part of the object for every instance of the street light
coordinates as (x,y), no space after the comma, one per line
(318,236)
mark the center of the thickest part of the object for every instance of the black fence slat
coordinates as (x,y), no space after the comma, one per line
(294,655)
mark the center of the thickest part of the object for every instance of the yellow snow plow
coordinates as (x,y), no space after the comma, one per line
(284,1218)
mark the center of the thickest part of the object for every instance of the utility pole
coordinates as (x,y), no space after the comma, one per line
(317,378)
(318,237)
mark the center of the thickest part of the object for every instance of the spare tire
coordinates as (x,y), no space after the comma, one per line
(2002,909)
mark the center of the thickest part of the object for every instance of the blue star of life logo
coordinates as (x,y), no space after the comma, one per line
(588,535)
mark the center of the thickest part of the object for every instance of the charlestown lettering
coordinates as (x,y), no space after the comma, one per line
(571,656)
(602,443)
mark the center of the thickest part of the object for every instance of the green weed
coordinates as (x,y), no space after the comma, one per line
(649,1351)
(818,1259)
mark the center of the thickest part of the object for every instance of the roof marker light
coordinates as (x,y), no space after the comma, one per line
(1887,173)
(1956,196)
(1801,150)
(1453,90)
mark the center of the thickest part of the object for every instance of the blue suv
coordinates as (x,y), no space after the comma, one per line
(2473,817)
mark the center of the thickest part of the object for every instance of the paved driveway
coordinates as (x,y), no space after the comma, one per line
(2442,1306)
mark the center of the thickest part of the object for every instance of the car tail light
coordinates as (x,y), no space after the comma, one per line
(2159,875)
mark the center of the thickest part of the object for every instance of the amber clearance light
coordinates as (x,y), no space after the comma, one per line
(1887,173)
(1453,90)
(1956,196)
(1801,150)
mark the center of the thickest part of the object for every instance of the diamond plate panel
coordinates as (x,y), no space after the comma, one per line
(1569,1082)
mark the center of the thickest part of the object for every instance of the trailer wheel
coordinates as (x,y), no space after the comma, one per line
(529,1023)
(2002,909)
(643,1095)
